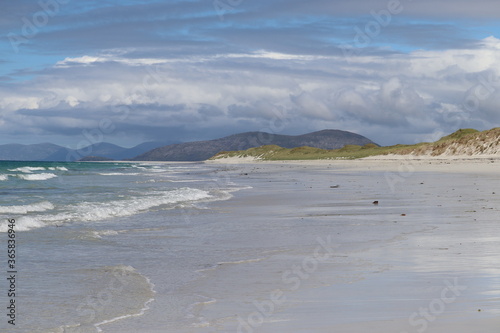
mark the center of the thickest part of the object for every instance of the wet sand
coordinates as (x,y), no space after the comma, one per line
(313,253)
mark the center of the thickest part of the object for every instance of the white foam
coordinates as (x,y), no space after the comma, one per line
(193,311)
(95,211)
(222,263)
(37,176)
(185,180)
(99,234)
(27,169)
(140,313)
(4,177)
(119,174)
(58,168)
(245,261)
(144,308)
(23,223)
(23,209)
(130,272)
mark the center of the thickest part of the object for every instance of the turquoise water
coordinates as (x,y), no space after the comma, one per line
(44,194)
(80,229)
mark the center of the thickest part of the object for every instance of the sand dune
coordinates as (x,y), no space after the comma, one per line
(485,143)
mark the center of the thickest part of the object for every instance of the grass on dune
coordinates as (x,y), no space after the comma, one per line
(274,152)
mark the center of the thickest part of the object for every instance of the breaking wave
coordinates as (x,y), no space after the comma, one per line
(37,176)
(23,209)
(97,211)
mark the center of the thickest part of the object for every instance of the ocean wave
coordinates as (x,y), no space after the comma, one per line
(224,263)
(97,211)
(128,294)
(185,180)
(99,234)
(238,262)
(146,181)
(27,169)
(155,170)
(58,168)
(37,176)
(145,290)
(119,174)
(193,311)
(23,209)
(23,223)
(92,211)
(4,177)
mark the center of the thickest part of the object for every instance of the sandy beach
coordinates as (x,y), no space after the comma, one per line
(115,218)
(346,246)
(395,163)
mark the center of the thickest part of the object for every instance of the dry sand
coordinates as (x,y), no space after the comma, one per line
(313,254)
(425,259)
(403,163)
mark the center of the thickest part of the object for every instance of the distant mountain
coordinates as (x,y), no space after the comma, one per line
(103,149)
(52,152)
(202,150)
(94,159)
(140,149)
(35,152)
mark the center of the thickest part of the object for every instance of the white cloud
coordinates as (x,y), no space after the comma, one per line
(414,92)
(72,101)
(107,57)
(441,63)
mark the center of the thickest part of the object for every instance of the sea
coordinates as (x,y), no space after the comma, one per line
(90,236)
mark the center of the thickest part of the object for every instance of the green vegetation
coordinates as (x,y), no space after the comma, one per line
(459,134)
(273,152)
(462,137)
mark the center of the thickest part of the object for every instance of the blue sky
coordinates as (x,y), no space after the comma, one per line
(132,71)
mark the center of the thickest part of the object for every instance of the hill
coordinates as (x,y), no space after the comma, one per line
(104,150)
(94,159)
(35,152)
(202,150)
(52,152)
(464,142)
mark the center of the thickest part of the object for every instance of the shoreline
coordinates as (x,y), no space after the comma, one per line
(385,261)
(390,163)
(399,163)
(388,264)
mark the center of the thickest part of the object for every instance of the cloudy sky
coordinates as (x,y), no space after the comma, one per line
(129,71)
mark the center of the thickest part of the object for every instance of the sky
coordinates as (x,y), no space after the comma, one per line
(129,71)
